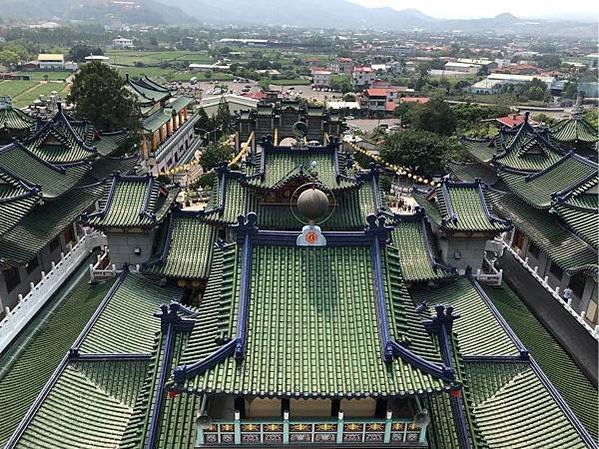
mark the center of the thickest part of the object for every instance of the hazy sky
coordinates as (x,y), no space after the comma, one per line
(583,9)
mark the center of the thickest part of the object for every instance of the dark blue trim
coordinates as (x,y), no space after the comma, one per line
(184,372)
(107,357)
(154,430)
(389,347)
(244,297)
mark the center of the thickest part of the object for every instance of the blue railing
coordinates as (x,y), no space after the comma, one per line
(354,431)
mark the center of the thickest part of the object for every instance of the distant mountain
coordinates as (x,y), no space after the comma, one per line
(147,12)
(345,14)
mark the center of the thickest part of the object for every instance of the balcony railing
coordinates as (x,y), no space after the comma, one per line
(28,305)
(351,431)
(555,293)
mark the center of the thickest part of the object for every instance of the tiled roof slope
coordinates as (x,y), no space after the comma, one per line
(320,165)
(187,253)
(412,237)
(573,130)
(579,210)
(537,189)
(514,409)
(89,406)
(478,331)
(43,353)
(578,391)
(36,230)
(126,323)
(133,202)
(17,199)
(14,119)
(563,248)
(461,207)
(313,311)
(54,180)
(62,140)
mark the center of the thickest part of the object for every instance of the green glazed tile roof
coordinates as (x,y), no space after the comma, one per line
(575,129)
(413,239)
(43,353)
(53,180)
(127,323)
(107,143)
(478,331)
(89,406)
(158,119)
(461,207)
(62,140)
(133,202)
(47,221)
(480,150)
(284,165)
(17,199)
(470,171)
(514,410)
(188,254)
(15,119)
(576,389)
(579,210)
(146,90)
(563,248)
(562,176)
(312,316)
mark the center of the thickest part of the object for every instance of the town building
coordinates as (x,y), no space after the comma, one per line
(122,43)
(321,78)
(362,77)
(48,61)
(298,310)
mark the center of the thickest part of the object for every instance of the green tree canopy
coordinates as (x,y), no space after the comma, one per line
(100,95)
(435,116)
(79,52)
(422,151)
(215,154)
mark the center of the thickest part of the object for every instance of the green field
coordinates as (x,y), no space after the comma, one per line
(155,58)
(23,93)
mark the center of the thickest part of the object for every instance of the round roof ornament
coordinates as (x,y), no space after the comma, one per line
(313,204)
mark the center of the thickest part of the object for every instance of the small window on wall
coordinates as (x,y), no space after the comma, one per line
(534,250)
(12,278)
(32,265)
(556,270)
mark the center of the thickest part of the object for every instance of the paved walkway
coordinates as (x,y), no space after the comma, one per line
(572,336)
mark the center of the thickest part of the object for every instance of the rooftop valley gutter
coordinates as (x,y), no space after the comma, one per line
(553,392)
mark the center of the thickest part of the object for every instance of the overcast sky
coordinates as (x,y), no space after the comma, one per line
(449,9)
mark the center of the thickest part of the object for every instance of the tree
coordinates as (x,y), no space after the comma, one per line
(223,120)
(215,154)
(79,52)
(8,58)
(100,95)
(424,152)
(435,116)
